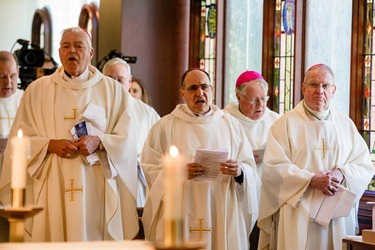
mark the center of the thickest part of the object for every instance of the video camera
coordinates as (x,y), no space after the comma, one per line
(112,54)
(30,57)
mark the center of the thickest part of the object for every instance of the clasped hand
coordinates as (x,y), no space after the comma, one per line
(327,181)
(230,167)
(85,145)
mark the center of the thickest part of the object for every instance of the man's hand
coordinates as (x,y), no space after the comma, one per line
(87,144)
(194,170)
(325,182)
(230,167)
(62,148)
(257,158)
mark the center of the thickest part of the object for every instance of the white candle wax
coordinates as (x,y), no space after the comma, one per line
(20,146)
(175,174)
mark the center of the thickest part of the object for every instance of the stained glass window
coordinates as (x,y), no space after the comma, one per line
(207,41)
(368,82)
(283,56)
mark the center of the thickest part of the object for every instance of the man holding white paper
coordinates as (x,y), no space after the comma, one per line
(310,151)
(221,211)
(81,202)
(252,112)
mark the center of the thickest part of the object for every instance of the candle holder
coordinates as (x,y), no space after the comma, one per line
(17,214)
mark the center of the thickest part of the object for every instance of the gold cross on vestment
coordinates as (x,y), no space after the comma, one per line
(201,229)
(323,148)
(71,118)
(7,118)
(73,189)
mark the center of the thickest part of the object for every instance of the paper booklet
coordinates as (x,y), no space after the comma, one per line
(260,153)
(84,128)
(211,160)
(324,208)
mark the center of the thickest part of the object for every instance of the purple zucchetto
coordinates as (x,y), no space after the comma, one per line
(248,76)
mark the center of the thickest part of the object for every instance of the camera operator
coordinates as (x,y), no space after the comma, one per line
(48,68)
(33,63)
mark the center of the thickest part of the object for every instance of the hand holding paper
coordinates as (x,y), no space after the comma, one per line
(210,160)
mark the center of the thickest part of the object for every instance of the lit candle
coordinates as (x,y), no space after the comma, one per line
(175,174)
(20,154)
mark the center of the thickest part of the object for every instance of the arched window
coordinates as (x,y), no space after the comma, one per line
(41,31)
(88,19)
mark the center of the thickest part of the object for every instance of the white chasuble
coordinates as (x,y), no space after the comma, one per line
(256,130)
(220,212)
(297,148)
(144,119)
(8,110)
(80,201)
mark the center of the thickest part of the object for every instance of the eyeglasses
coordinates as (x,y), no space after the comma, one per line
(325,86)
(255,100)
(194,88)
(12,77)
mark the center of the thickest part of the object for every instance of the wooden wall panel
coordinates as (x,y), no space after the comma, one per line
(157,32)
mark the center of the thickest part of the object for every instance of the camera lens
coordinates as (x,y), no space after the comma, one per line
(30,58)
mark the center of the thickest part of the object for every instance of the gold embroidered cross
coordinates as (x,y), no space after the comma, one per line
(73,189)
(201,229)
(323,148)
(7,118)
(71,118)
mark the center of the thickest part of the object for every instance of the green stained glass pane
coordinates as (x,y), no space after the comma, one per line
(283,55)
(368,123)
(207,38)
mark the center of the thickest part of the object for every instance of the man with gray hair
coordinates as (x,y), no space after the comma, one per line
(312,152)
(146,116)
(119,70)
(252,111)
(69,116)
(10,97)
(256,118)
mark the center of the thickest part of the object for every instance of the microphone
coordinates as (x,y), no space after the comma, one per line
(24,43)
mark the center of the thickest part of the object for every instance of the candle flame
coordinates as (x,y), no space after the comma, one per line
(173,151)
(20,133)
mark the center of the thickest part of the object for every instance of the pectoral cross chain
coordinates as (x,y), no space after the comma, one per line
(7,118)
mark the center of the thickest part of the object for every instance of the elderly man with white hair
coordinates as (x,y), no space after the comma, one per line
(145,117)
(252,111)
(82,199)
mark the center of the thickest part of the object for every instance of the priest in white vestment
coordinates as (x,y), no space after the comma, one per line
(252,111)
(221,212)
(256,118)
(145,117)
(10,97)
(86,186)
(311,149)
